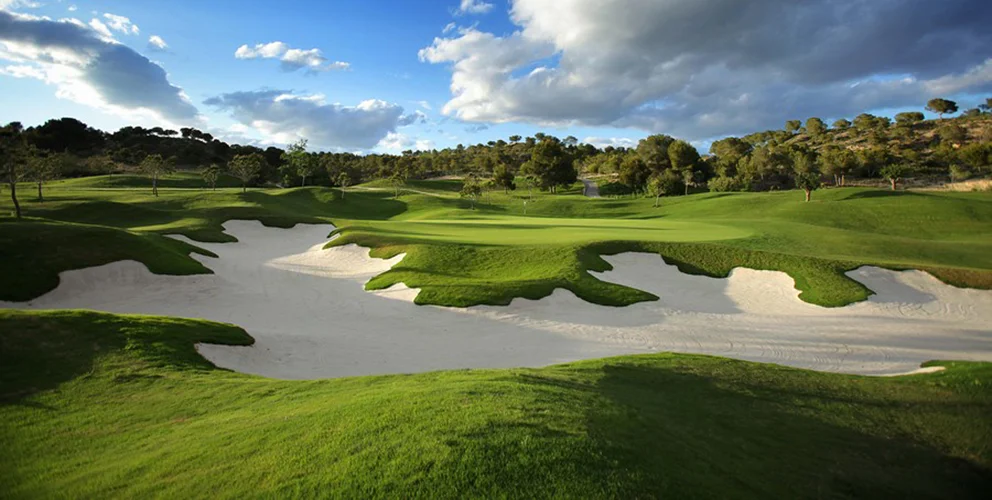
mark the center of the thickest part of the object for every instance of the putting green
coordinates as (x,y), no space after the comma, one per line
(508,230)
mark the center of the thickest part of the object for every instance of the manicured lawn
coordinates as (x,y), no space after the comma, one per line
(460,257)
(99,405)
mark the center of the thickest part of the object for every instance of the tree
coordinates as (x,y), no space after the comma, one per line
(503,177)
(656,188)
(684,158)
(343,180)
(942,107)
(808,182)
(527,181)
(909,118)
(653,151)
(551,165)
(471,189)
(514,139)
(793,126)
(838,162)
(66,135)
(986,107)
(729,153)
(864,122)
(155,166)
(13,154)
(211,174)
(299,161)
(895,172)
(634,173)
(806,173)
(978,156)
(842,124)
(396,181)
(815,127)
(41,168)
(246,167)
(952,132)
(873,159)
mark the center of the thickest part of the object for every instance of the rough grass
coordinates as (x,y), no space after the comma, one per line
(100,405)
(490,255)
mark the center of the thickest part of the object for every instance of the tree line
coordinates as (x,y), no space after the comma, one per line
(802,155)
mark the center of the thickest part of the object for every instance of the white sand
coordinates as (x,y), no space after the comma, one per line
(311,318)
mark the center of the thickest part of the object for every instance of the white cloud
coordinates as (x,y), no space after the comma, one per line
(284,117)
(18,4)
(73,8)
(412,118)
(705,68)
(473,7)
(617,142)
(448,28)
(424,104)
(396,142)
(263,50)
(156,42)
(101,28)
(121,24)
(292,59)
(87,67)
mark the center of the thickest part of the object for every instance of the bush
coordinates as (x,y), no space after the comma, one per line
(724,184)
(614,188)
(960,173)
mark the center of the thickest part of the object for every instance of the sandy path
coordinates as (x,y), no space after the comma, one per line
(591,189)
(311,318)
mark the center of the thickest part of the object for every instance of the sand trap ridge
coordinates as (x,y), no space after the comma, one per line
(311,318)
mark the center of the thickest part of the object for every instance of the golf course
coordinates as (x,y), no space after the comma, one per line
(526,249)
(140,412)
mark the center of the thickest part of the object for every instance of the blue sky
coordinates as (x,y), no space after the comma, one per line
(574,67)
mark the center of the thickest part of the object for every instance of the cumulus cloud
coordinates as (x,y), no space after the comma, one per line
(706,68)
(121,24)
(18,4)
(617,142)
(396,142)
(90,69)
(284,117)
(291,59)
(101,28)
(473,7)
(156,42)
(412,118)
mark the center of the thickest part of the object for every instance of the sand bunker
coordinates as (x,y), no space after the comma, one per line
(311,318)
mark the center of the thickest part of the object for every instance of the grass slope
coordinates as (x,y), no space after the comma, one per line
(34,251)
(461,257)
(100,405)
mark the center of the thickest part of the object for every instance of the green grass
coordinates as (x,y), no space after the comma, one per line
(100,405)
(460,257)
(34,251)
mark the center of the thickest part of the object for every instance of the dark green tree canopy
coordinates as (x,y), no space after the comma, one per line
(942,106)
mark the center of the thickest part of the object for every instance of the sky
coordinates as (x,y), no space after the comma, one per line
(391,75)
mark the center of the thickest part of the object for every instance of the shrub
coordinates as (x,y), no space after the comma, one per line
(724,184)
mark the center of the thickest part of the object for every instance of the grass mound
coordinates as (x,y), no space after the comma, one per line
(34,251)
(99,405)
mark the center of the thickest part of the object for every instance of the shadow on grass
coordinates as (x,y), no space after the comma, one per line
(665,432)
(40,350)
(881,194)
